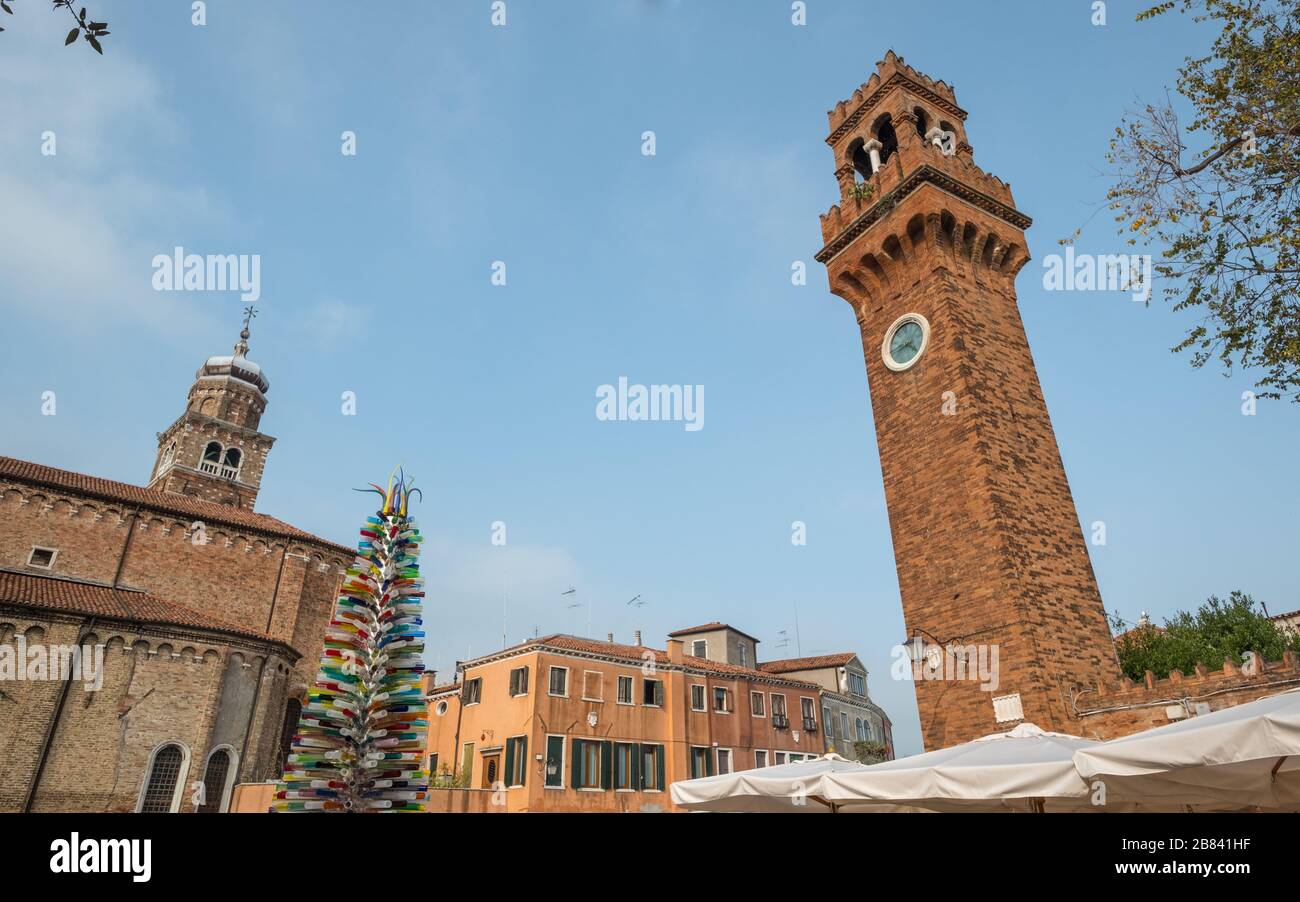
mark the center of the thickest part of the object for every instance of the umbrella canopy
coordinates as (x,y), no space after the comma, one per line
(1247,755)
(1025,769)
(785,787)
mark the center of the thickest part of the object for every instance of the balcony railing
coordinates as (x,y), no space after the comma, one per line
(810,724)
(780,721)
(218,469)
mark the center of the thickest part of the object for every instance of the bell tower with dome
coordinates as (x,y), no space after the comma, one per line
(214,451)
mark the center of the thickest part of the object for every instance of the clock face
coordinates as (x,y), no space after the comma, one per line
(906,342)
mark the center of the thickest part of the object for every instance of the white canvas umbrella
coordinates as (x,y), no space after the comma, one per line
(793,787)
(1025,769)
(1247,755)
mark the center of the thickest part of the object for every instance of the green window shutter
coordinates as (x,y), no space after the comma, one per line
(659,767)
(708,762)
(634,778)
(606,764)
(524,688)
(577,763)
(523,759)
(510,761)
(554,752)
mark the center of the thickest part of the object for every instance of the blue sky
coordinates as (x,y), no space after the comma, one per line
(523,144)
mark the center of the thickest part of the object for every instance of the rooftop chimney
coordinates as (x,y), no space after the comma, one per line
(611,637)
(637,643)
(675,653)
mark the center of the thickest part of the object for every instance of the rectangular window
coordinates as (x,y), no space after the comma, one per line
(41,557)
(809,711)
(756,704)
(516,760)
(473,691)
(700,648)
(779,719)
(559,682)
(519,681)
(743,648)
(652,767)
(780,757)
(829,720)
(844,725)
(433,766)
(760,757)
(625,690)
(697,696)
(554,762)
(701,762)
(652,693)
(721,700)
(724,761)
(857,684)
(625,766)
(592,688)
(591,764)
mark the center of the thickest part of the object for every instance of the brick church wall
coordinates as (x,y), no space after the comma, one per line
(156,689)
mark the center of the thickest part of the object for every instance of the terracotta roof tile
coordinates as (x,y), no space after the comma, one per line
(635,653)
(156,499)
(709,628)
(92,599)
(813,663)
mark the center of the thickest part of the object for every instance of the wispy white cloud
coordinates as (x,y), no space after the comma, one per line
(84,223)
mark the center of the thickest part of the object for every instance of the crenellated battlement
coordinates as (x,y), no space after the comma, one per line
(891,73)
(1119,707)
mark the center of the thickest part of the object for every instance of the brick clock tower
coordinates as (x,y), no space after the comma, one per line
(214,451)
(925,247)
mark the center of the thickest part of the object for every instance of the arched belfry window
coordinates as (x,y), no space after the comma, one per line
(922,121)
(232,458)
(164,780)
(860,160)
(883,129)
(212,452)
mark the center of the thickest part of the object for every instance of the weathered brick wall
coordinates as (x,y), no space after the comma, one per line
(234,575)
(1122,707)
(985,532)
(157,688)
(267,584)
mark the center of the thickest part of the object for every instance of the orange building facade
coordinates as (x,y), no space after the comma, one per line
(562,723)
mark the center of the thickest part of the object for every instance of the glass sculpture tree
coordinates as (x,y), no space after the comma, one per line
(360,742)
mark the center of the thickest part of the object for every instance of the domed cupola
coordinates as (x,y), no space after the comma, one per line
(236,366)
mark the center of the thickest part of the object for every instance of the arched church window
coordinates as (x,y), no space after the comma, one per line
(216,777)
(162,780)
(209,407)
(212,452)
(922,121)
(232,458)
(292,711)
(168,453)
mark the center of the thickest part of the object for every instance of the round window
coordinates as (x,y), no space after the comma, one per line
(905,341)
(441,708)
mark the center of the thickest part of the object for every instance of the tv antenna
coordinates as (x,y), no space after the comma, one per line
(636,601)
